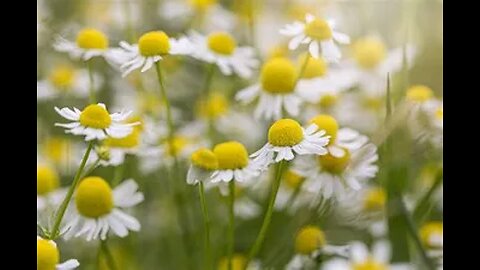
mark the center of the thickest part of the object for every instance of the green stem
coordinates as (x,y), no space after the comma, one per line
(251,23)
(206,221)
(208,80)
(63,207)
(231,223)
(90,169)
(93,99)
(294,195)
(108,255)
(268,215)
(117,174)
(421,206)
(302,69)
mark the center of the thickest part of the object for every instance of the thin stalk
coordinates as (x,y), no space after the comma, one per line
(92,96)
(108,255)
(118,174)
(206,221)
(231,223)
(208,80)
(302,69)
(294,195)
(63,207)
(418,213)
(268,215)
(90,169)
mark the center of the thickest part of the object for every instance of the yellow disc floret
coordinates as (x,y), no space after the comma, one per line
(90,38)
(238,262)
(278,76)
(419,93)
(369,52)
(214,107)
(429,230)
(292,179)
(56,148)
(62,77)
(328,101)
(285,132)
(222,43)
(94,197)
(204,158)
(202,4)
(47,179)
(95,116)
(374,199)
(177,145)
(135,119)
(318,29)
(48,255)
(154,43)
(335,165)
(130,141)
(327,123)
(231,155)
(309,239)
(316,67)
(369,264)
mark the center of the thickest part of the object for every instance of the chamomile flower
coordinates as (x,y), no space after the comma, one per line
(221,48)
(318,34)
(203,162)
(286,138)
(65,80)
(48,256)
(89,43)
(99,209)
(233,163)
(151,48)
(419,95)
(310,243)
(348,164)
(95,122)
(361,258)
(49,193)
(277,91)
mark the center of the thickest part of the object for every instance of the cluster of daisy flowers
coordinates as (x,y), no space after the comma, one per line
(218,144)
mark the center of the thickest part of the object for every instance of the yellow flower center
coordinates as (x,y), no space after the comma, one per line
(48,255)
(205,159)
(95,116)
(94,197)
(222,43)
(314,68)
(134,119)
(278,51)
(419,93)
(238,262)
(327,123)
(214,107)
(370,265)
(130,141)
(278,76)
(176,146)
(62,77)
(430,229)
(334,165)
(90,38)
(309,239)
(55,149)
(373,103)
(369,52)
(328,101)
(318,29)
(231,155)
(154,43)
(202,4)
(47,180)
(285,132)
(292,179)
(375,199)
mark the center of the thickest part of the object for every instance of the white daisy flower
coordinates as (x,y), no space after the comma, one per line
(348,164)
(361,258)
(151,48)
(48,256)
(286,138)
(98,209)
(65,79)
(221,48)
(372,62)
(95,122)
(277,91)
(89,43)
(233,163)
(320,36)
(203,163)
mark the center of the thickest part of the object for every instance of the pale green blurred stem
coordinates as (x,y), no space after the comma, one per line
(63,207)
(118,174)
(251,22)
(92,96)
(231,223)
(90,169)
(268,215)
(302,69)
(206,221)
(207,93)
(108,255)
